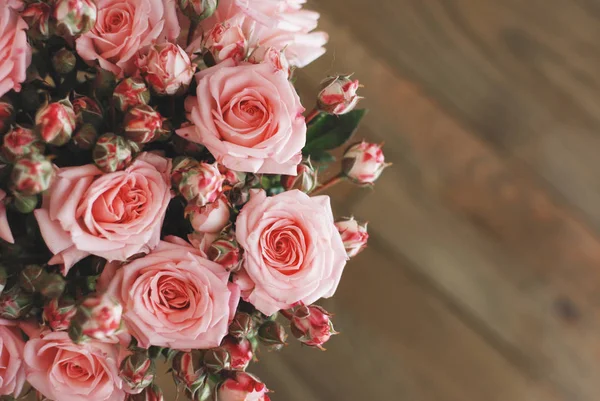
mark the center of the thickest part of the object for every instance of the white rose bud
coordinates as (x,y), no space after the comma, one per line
(363,163)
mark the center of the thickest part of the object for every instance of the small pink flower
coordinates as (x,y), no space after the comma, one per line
(114,216)
(58,313)
(253,123)
(173,297)
(211,218)
(243,387)
(354,235)
(56,122)
(99,317)
(5,232)
(62,370)
(226,40)
(312,325)
(363,163)
(167,69)
(293,252)
(201,184)
(131,92)
(15,52)
(338,95)
(271,56)
(240,351)
(12,367)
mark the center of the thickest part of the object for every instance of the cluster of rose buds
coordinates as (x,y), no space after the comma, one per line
(97,317)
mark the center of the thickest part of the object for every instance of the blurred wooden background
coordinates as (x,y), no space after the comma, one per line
(482,279)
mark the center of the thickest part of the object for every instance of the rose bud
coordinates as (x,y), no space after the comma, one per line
(85,138)
(7,115)
(98,317)
(354,235)
(188,370)
(226,41)
(363,163)
(15,303)
(181,165)
(242,325)
(58,313)
(55,122)
(142,124)
(74,17)
(32,174)
(37,16)
(64,61)
(130,92)
(19,142)
(24,203)
(312,325)
(226,252)
(150,393)
(243,387)
(338,95)
(272,56)
(211,218)
(32,278)
(272,335)
(306,180)
(112,153)
(87,110)
(54,286)
(202,184)
(217,359)
(137,370)
(240,351)
(167,69)
(198,9)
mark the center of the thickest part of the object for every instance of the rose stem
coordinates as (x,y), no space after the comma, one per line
(332,181)
(311,116)
(287,314)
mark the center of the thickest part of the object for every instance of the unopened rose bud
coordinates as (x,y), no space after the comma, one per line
(74,17)
(112,153)
(142,124)
(242,325)
(85,138)
(188,370)
(131,92)
(202,184)
(211,218)
(19,142)
(87,110)
(150,393)
(37,16)
(240,351)
(312,325)
(272,56)
(7,115)
(56,122)
(272,334)
(98,317)
(167,68)
(226,40)
(15,303)
(32,174)
(217,359)
(64,61)
(243,387)
(32,278)
(226,251)
(306,180)
(363,163)
(54,286)
(24,204)
(353,234)
(181,164)
(58,313)
(137,370)
(3,278)
(338,95)
(198,9)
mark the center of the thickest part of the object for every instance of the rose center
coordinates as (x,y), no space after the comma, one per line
(284,246)
(172,293)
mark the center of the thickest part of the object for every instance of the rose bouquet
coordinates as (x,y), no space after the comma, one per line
(159,194)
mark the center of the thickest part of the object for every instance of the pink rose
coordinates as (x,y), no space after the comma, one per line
(167,69)
(243,387)
(363,163)
(249,117)
(5,232)
(124,27)
(15,53)
(65,371)
(211,218)
(114,216)
(293,251)
(227,40)
(173,297)
(12,368)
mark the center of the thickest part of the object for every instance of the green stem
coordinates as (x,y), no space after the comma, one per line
(330,183)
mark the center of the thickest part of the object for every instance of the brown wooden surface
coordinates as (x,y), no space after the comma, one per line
(482,279)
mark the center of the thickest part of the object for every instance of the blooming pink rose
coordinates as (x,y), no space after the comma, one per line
(5,232)
(173,297)
(293,251)
(211,218)
(243,387)
(249,117)
(12,368)
(167,69)
(15,53)
(65,371)
(124,27)
(114,216)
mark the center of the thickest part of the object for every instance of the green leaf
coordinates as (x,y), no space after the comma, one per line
(328,132)
(321,156)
